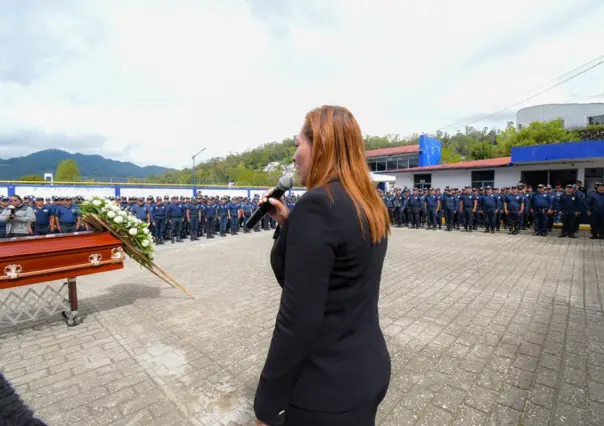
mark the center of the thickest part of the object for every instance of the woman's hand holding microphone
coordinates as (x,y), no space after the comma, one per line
(279,211)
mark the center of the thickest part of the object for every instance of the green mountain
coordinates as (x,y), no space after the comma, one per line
(91,166)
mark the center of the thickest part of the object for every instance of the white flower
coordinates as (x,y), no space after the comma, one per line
(96,202)
(133,231)
(146,231)
(145,243)
(151,255)
(110,214)
(118,219)
(122,213)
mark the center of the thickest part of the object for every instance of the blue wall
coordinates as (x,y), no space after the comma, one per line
(567,151)
(116,190)
(430,154)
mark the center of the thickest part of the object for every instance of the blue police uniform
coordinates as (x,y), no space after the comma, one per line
(595,206)
(194,218)
(467,201)
(489,204)
(448,203)
(140,212)
(415,204)
(210,213)
(513,204)
(67,218)
(248,208)
(174,213)
(43,218)
(541,203)
(431,206)
(158,215)
(234,214)
(223,216)
(571,207)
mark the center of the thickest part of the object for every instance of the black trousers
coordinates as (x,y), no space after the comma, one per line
(415,217)
(468,217)
(514,221)
(175,225)
(449,215)
(540,220)
(597,224)
(568,223)
(489,219)
(432,217)
(360,417)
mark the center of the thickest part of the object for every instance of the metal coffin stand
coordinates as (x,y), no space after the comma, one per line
(34,260)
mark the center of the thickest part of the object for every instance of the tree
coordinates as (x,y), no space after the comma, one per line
(481,151)
(68,171)
(31,178)
(536,133)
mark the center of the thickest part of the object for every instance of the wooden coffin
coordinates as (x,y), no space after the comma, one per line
(32,260)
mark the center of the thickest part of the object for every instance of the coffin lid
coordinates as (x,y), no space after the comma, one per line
(57,243)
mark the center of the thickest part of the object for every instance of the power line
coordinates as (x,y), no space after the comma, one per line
(600,60)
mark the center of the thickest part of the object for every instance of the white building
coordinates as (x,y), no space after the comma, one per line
(546,164)
(572,115)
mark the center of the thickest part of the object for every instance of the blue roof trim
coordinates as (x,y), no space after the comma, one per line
(566,151)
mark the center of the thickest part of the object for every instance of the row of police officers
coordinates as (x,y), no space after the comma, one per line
(515,208)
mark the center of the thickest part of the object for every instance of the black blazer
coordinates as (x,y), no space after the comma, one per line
(327,352)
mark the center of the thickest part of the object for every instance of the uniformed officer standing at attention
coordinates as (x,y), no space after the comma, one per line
(223,216)
(432,203)
(571,207)
(247,208)
(448,208)
(67,216)
(141,211)
(43,224)
(468,206)
(194,217)
(489,205)
(415,207)
(595,212)
(513,206)
(158,217)
(541,208)
(234,214)
(174,214)
(210,217)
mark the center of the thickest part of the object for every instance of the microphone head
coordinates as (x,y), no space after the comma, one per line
(285,183)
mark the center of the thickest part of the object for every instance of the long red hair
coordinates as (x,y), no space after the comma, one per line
(338,152)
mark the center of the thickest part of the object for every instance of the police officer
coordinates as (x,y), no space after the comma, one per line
(174,213)
(513,205)
(468,206)
(141,211)
(194,217)
(158,217)
(43,224)
(595,211)
(397,202)
(541,208)
(223,216)
(489,206)
(234,213)
(571,207)
(210,217)
(432,203)
(415,207)
(247,209)
(67,216)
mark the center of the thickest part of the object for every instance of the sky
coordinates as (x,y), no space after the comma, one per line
(155,81)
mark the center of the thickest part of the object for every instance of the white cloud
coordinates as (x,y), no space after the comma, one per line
(165,79)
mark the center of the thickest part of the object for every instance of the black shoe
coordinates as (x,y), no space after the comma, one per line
(573,235)
(593,237)
(562,235)
(492,231)
(173,241)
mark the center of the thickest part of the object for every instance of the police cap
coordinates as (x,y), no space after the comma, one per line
(150,197)
(68,198)
(569,186)
(540,186)
(599,184)
(513,187)
(141,199)
(488,187)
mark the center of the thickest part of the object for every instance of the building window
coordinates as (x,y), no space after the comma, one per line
(596,120)
(482,178)
(414,161)
(423,181)
(593,176)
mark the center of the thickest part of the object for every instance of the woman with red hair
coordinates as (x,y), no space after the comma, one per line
(328,363)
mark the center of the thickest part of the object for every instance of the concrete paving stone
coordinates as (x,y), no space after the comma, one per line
(492,339)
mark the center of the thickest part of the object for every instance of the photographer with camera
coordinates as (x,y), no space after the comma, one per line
(18,217)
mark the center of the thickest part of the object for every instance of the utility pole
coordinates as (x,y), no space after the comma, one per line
(193,158)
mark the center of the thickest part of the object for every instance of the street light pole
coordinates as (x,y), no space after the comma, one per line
(193,158)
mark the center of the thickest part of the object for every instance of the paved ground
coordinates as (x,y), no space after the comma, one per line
(482,329)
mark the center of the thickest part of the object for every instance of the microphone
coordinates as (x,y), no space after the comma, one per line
(285,184)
